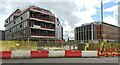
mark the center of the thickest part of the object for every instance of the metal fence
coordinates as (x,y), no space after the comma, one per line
(73,45)
(18,45)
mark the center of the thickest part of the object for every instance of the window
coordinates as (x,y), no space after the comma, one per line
(21,18)
(57,19)
(14,22)
(21,26)
(57,24)
(21,33)
(6,21)
(12,35)
(10,30)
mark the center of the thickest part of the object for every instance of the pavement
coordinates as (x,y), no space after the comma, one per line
(63,60)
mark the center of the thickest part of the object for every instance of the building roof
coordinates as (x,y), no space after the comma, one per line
(111,25)
(39,8)
(17,11)
(20,12)
(97,23)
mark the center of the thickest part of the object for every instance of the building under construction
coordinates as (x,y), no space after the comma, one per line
(2,35)
(97,31)
(33,23)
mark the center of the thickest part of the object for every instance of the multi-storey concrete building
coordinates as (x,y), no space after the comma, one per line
(93,32)
(2,35)
(58,30)
(33,23)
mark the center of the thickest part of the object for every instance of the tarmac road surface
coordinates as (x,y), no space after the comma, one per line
(63,60)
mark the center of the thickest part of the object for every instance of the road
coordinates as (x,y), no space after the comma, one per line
(63,60)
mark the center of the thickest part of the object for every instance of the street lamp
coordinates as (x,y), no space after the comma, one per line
(101,10)
(101,20)
(102,25)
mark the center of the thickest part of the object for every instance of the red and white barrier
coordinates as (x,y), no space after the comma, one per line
(89,53)
(20,54)
(47,54)
(72,53)
(115,53)
(5,54)
(56,53)
(39,54)
(108,52)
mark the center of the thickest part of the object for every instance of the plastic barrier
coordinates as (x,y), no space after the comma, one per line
(20,54)
(39,54)
(5,54)
(72,53)
(98,52)
(0,54)
(116,52)
(66,53)
(89,53)
(103,53)
(108,52)
(56,53)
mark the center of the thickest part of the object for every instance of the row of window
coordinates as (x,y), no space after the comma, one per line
(42,32)
(9,19)
(85,28)
(42,16)
(17,35)
(18,20)
(17,28)
(85,35)
(42,24)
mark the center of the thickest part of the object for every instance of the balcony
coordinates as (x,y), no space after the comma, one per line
(42,27)
(50,35)
(43,35)
(40,10)
(36,19)
(42,17)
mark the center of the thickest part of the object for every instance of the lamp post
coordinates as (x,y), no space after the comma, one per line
(102,25)
(102,20)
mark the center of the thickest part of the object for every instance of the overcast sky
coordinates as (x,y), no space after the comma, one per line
(72,13)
